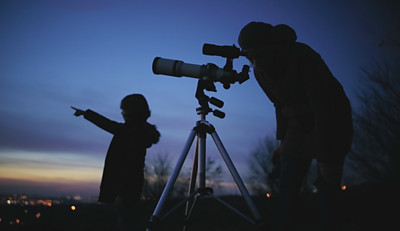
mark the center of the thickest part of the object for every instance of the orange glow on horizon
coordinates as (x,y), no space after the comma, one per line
(344,187)
(61,169)
(73,208)
(268,194)
(37,215)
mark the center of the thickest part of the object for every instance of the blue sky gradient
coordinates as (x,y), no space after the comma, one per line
(90,54)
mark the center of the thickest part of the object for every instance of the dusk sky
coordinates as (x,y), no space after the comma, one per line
(91,53)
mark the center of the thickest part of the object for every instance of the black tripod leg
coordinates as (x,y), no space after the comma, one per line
(189,213)
(168,188)
(236,177)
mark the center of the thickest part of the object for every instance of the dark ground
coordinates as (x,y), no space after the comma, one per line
(369,208)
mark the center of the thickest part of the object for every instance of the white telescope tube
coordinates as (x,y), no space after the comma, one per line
(177,68)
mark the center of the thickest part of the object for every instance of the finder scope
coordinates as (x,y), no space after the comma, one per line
(224,51)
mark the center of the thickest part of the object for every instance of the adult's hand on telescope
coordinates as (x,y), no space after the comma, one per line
(78,112)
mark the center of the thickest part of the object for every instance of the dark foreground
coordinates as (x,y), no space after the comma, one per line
(375,208)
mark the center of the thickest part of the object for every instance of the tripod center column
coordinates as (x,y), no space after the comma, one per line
(202,134)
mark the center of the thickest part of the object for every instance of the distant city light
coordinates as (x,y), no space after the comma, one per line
(344,187)
(25,211)
(37,215)
(44,202)
(25,200)
(73,208)
(17,221)
(268,194)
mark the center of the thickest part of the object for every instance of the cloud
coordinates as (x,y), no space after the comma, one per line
(37,134)
(82,5)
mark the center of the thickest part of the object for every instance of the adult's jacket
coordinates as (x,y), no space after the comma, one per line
(313,113)
(124,163)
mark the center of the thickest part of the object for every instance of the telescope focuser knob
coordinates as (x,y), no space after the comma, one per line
(219,114)
(216,102)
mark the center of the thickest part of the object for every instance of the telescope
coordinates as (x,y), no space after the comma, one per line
(206,74)
(208,71)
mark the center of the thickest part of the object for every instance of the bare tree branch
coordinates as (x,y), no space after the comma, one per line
(260,165)
(376,145)
(159,168)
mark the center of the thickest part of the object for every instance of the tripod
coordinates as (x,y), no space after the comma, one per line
(199,166)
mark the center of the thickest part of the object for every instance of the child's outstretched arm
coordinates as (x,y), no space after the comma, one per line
(78,112)
(99,120)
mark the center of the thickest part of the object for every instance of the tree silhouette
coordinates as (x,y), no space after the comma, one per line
(260,165)
(213,174)
(376,146)
(159,168)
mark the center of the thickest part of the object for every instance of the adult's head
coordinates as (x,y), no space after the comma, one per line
(263,41)
(260,34)
(135,107)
